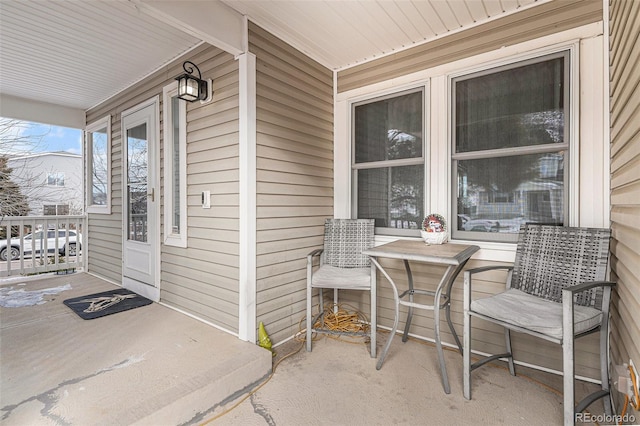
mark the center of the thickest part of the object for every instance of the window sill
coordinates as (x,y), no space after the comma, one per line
(99,209)
(489,251)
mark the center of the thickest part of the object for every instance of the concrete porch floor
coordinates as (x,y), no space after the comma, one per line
(151,365)
(155,366)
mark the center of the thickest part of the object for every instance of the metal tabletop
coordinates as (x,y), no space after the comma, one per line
(453,256)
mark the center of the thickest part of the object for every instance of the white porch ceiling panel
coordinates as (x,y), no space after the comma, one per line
(76,54)
(343,33)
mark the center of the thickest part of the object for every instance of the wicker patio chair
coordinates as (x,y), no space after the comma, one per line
(556,291)
(342,266)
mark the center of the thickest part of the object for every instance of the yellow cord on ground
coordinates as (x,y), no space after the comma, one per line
(635,400)
(338,318)
(635,403)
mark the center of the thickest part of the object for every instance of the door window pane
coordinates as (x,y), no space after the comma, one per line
(137,182)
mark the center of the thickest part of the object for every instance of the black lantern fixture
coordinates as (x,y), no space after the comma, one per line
(190,87)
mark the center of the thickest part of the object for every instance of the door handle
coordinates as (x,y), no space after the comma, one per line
(152,194)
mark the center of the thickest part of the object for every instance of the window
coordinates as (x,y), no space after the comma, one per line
(55,179)
(55,209)
(510,134)
(98,154)
(388,161)
(175,167)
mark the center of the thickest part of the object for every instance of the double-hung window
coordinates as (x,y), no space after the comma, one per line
(388,164)
(98,152)
(510,153)
(175,167)
(55,179)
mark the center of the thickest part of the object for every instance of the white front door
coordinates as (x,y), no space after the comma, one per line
(141,199)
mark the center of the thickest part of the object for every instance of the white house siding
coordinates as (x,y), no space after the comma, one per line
(201,279)
(624,92)
(31,172)
(531,24)
(294,175)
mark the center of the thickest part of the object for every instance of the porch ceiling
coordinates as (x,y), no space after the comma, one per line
(75,54)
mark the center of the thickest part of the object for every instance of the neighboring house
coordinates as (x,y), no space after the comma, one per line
(51,181)
(211,208)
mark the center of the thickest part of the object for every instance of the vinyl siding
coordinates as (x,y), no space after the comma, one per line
(624,17)
(535,22)
(531,24)
(294,188)
(201,279)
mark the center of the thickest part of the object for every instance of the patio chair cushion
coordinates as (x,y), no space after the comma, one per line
(328,276)
(534,313)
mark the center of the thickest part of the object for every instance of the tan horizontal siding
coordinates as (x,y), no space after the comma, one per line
(625,181)
(208,268)
(203,278)
(294,176)
(547,18)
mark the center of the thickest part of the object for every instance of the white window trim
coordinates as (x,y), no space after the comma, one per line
(589,199)
(170,237)
(104,122)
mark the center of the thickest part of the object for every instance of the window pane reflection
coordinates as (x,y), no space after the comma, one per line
(500,194)
(393,196)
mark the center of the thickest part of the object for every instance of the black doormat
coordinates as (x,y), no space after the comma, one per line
(106,303)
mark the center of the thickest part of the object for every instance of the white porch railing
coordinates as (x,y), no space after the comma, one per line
(35,244)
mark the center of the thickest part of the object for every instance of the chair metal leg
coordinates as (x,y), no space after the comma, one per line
(309,300)
(407,325)
(466,338)
(604,351)
(507,338)
(568,359)
(309,319)
(373,329)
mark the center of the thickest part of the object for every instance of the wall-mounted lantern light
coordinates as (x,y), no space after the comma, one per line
(192,88)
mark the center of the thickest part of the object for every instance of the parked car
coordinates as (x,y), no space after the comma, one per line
(34,243)
(481,225)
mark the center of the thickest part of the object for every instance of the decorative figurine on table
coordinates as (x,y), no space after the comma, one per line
(434,229)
